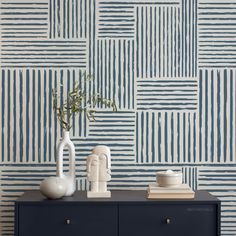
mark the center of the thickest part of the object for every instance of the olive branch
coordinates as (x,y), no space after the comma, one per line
(78,101)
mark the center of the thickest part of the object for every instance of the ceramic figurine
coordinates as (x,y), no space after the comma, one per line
(70,176)
(99,172)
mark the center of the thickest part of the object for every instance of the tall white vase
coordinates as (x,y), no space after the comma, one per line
(70,176)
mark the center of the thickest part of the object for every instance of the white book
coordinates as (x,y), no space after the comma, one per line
(184,188)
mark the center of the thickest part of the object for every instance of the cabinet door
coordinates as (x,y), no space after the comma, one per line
(68,220)
(168,220)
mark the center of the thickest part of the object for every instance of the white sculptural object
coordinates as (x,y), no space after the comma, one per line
(99,172)
(70,176)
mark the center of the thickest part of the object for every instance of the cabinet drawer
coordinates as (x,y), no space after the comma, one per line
(68,220)
(168,220)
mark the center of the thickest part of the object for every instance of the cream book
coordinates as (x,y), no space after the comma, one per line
(155,186)
(171,195)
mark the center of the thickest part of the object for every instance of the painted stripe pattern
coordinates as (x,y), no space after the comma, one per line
(165,94)
(68,18)
(24,20)
(168,64)
(115,21)
(166,137)
(166,40)
(52,53)
(217,116)
(220,181)
(217,33)
(115,59)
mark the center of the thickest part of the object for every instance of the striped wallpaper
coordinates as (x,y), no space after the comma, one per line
(169,64)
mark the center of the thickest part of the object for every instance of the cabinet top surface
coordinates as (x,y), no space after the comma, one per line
(116,196)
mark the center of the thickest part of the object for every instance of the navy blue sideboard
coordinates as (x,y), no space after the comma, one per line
(126,213)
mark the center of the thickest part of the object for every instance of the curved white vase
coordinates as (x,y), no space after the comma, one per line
(70,176)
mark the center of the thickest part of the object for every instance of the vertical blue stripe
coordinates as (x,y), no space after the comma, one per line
(142,136)
(68,19)
(196,38)
(129,97)
(33,114)
(172,137)
(188,57)
(166,138)
(133,83)
(73,118)
(137,42)
(178,137)
(155,41)
(14,115)
(137,136)
(200,114)
(3,113)
(90,51)
(73,19)
(58,18)
(159,40)
(114,72)
(225,114)
(98,67)
(153,137)
(142,46)
(147,136)
(64,19)
(184,137)
(21,115)
(151,43)
(212,115)
(77,23)
(231,116)
(39,116)
(193,39)
(45,118)
(85,19)
(81,19)
(171,41)
(183,37)
(54,18)
(50,116)
(27,114)
(206,115)
(8,115)
(179,62)
(50,18)
(218,116)
(164,44)
(55,117)
(159,137)
(101,71)
(146,35)
(124,77)
(80,115)
(189,138)
(106,87)
(194,137)
(119,73)
(110,72)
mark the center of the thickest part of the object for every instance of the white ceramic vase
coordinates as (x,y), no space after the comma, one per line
(70,176)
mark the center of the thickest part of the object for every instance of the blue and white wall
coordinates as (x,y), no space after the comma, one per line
(169,64)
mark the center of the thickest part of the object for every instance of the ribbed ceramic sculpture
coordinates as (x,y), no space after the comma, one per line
(70,176)
(99,172)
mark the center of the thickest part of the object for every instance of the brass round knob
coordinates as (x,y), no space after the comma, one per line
(68,221)
(168,221)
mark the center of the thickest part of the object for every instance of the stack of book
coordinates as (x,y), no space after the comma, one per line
(182,191)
